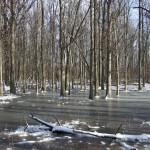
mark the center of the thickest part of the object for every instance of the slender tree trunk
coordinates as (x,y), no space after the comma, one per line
(84,74)
(62,51)
(12,50)
(6,47)
(99,45)
(108,86)
(146,47)
(53,57)
(81,64)
(67,70)
(36,53)
(43,49)
(95,48)
(24,61)
(91,94)
(1,63)
(117,58)
(102,46)
(142,45)
(139,46)
(53,46)
(125,47)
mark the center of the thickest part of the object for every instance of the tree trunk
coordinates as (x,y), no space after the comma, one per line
(81,64)
(117,57)
(99,45)
(62,51)
(12,50)
(102,46)
(108,84)
(43,49)
(67,70)
(95,52)
(143,47)
(24,61)
(125,47)
(1,63)
(91,94)
(139,46)
(36,53)
(6,47)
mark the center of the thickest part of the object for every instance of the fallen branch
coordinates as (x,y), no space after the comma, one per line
(116,136)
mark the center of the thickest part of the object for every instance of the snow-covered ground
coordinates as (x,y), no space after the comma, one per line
(130,88)
(133,87)
(7,98)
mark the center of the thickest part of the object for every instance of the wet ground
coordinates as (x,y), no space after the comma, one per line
(132,109)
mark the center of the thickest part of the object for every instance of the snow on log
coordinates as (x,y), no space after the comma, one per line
(118,136)
(42,121)
(53,128)
(62,129)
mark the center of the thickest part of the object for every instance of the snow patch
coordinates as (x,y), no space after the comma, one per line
(108,98)
(6,99)
(127,146)
(97,97)
(62,129)
(146,122)
(9,97)
(99,88)
(94,127)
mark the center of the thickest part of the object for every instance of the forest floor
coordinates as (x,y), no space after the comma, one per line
(131,108)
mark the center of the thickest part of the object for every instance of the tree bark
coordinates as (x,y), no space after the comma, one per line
(12,50)
(6,46)
(36,53)
(102,46)
(139,46)
(91,94)
(108,84)
(99,44)
(62,50)
(1,63)
(43,49)
(95,52)
(117,57)
(24,61)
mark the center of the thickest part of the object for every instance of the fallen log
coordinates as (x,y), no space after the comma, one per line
(116,136)
(53,128)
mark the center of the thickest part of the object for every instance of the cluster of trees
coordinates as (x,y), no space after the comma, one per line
(73,41)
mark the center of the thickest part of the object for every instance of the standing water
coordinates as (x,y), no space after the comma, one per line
(131,109)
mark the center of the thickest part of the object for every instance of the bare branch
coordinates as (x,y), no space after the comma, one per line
(143,9)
